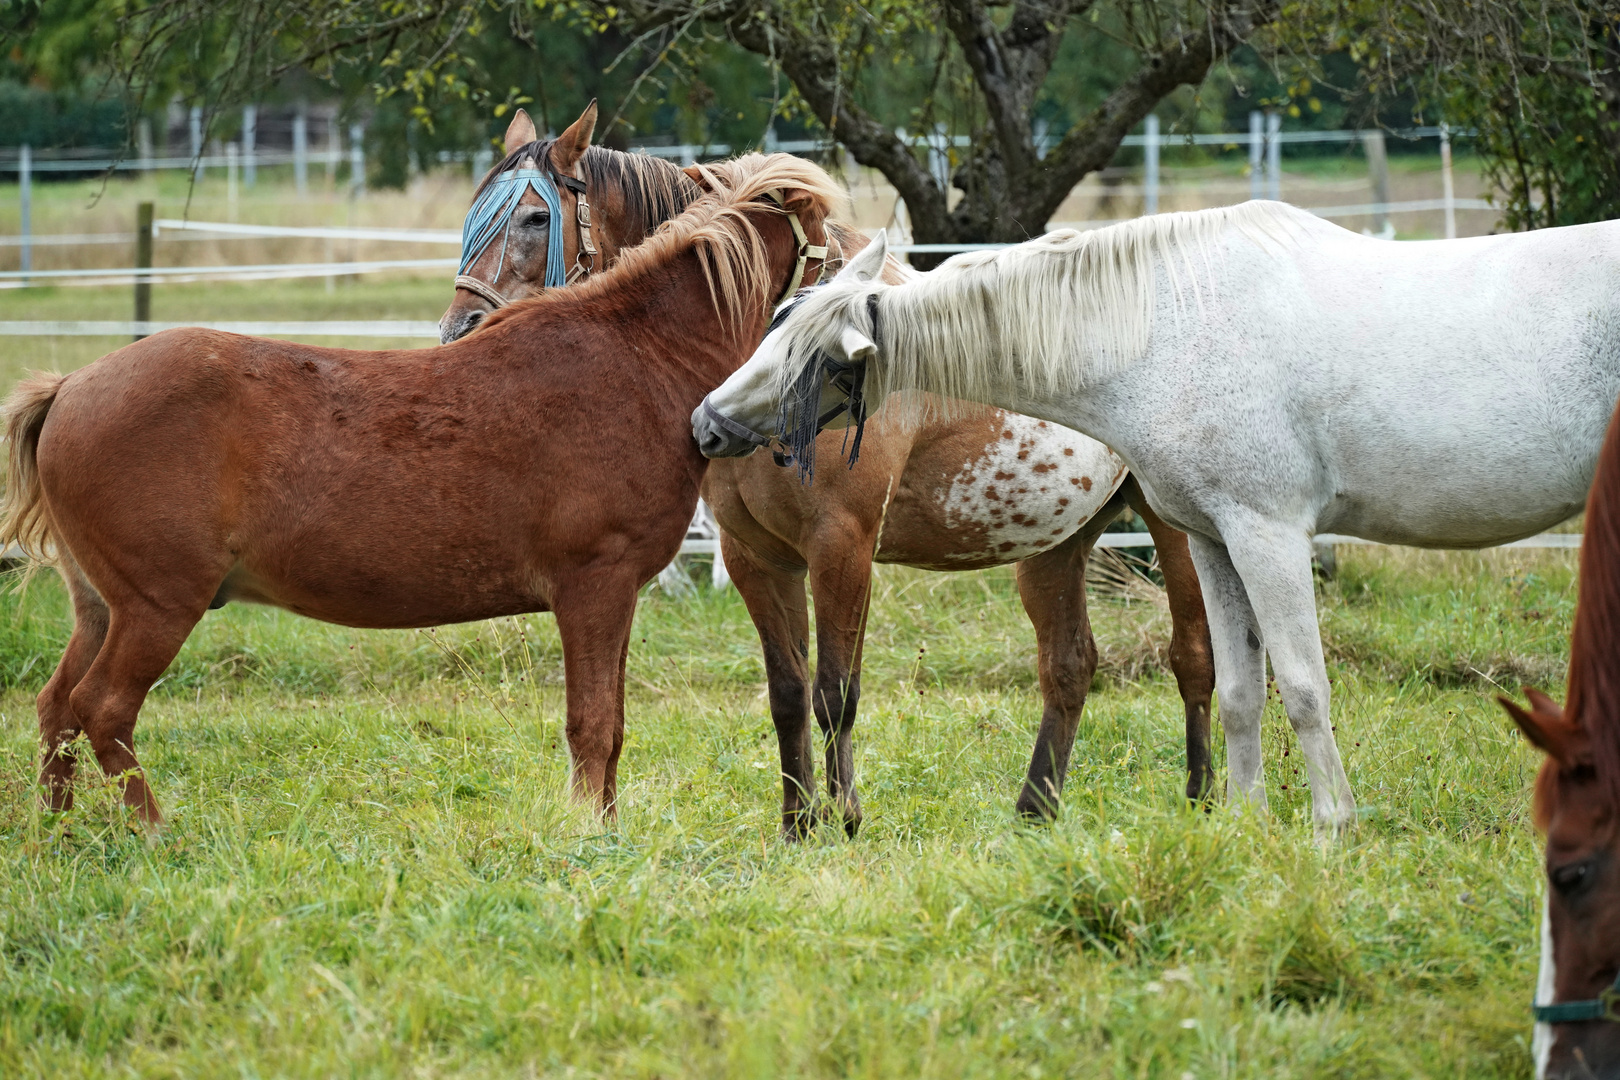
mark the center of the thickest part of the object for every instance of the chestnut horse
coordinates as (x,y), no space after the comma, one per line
(987,488)
(1577,804)
(544,464)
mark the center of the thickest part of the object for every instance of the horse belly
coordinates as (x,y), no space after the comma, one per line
(997,490)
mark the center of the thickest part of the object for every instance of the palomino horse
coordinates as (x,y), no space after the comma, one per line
(1577,804)
(1266,375)
(979,490)
(545,464)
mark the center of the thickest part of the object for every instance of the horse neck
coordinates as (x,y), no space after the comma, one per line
(632,195)
(1594,663)
(696,347)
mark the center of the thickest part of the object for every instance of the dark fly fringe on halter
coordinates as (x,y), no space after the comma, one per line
(801,420)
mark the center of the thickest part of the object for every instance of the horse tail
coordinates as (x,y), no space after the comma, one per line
(23,517)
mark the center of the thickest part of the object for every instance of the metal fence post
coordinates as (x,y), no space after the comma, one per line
(1274,156)
(143,143)
(25,195)
(232,158)
(357,159)
(250,137)
(301,152)
(1150,165)
(1448,191)
(143,260)
(196,142)
(1372,142)
(1256,146)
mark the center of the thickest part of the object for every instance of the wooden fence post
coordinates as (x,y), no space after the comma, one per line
(143,260)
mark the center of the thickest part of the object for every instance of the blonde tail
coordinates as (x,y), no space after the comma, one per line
(23,519)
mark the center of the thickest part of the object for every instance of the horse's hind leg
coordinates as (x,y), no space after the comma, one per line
(1052,586)
(58,725)
(775,599)
(1192,658)
(141,641)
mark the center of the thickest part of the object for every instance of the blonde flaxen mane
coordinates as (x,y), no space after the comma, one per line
(733,254)
(1051,316)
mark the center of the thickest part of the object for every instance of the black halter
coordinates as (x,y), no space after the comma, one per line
(798,433)
(1606,1006)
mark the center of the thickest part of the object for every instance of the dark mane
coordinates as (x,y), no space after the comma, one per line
(654,190)
(1594,653)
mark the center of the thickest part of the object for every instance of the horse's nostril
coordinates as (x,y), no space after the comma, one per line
(454,329)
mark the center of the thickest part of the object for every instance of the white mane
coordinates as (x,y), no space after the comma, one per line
(1053,314)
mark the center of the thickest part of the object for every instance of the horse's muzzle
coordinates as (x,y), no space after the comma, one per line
(718,438)
(458,324)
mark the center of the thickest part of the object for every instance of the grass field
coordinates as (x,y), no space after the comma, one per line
(372,870)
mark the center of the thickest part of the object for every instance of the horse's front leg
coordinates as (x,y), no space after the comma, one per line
(1052,586)
(841,583)
(594,613)
(1240,668)
(775,599)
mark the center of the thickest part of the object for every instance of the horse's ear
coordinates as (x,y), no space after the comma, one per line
(574,141)
(867,263)
(856,345)
(700,176)
(1547,728)
(520,132)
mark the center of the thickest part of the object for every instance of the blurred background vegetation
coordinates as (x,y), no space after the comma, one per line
(1539,80)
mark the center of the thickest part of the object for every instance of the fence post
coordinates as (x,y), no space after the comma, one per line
(357,159)
(1256,146)
(939,158)
(1150,165)
(196,142)
(143,143)
(483,159)
(231,160)
(1448,191)
(143,260)
(1378,172)
(301,152)
(250,138)
(25,195)
(1274,156)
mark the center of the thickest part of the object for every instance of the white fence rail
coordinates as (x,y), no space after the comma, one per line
(377,328)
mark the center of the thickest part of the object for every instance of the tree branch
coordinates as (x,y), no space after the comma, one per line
(1091,144)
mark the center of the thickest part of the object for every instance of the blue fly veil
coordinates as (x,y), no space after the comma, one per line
(491,216)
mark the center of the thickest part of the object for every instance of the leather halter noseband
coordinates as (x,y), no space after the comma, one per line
(496,205)
(1606,1006)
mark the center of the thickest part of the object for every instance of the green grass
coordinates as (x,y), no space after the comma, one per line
(372,869)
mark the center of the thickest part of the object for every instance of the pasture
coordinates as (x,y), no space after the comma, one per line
(371,868)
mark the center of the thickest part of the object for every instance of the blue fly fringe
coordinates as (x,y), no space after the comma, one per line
(491,216)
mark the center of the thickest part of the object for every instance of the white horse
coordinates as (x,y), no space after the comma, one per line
(1265,375)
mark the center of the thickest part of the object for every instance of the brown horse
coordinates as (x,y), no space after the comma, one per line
(1577,804)
(544,464)
(985,489)
(630,195)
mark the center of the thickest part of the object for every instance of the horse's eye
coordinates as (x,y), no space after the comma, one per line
(1572,877)
(538,220)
